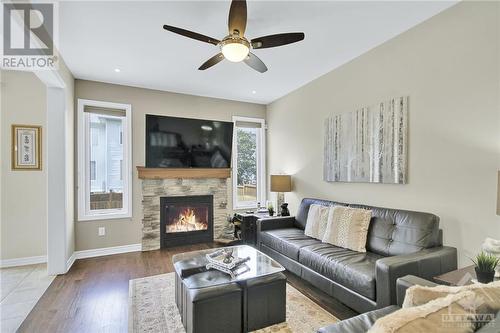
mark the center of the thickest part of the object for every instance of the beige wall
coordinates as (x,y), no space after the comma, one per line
(23,216)
(23,194)
(449,66)
(145,101)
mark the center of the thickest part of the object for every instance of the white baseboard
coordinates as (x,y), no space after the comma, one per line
(106,251)
(4,263)
(70,262)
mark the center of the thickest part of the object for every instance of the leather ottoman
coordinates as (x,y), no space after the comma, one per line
(213,301)
(233,307)
(213,309)
(265,301)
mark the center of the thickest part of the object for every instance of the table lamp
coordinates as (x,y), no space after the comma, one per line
(281,184)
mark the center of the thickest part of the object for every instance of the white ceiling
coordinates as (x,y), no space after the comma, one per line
(97,37)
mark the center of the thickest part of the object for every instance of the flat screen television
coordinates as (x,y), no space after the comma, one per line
(173,142)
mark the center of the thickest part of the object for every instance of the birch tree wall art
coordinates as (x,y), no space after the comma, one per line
(369,144)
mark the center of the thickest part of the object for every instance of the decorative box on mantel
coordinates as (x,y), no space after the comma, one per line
(157,183)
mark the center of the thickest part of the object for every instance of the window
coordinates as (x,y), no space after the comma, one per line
(94,135)
(121,169)
(104,160)
(92,170)
(249,179)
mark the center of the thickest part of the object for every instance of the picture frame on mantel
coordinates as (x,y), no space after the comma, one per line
(26,147)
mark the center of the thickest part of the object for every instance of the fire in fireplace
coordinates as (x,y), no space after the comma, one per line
(186,220)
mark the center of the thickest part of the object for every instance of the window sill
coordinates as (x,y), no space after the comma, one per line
(245,207)
(111,216)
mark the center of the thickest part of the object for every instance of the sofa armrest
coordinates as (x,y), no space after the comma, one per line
(270,223)
(426,263)
(405,282)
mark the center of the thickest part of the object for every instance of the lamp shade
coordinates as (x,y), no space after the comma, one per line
(281,183)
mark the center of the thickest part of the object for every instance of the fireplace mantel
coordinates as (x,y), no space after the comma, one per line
(165,173)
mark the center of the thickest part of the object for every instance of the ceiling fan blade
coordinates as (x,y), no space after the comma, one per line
(253,61)
(212,61)
(237,17)
(277,40)
(191,34)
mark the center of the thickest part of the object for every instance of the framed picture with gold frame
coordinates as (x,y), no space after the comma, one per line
(26,147)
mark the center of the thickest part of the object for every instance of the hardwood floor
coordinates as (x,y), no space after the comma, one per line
(93,295)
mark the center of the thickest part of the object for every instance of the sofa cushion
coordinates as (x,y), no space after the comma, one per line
(287,241)
(437,316)
(348,228)
(394,232)
(489,294)
(301,217)
(354,270)
(358,324)
(317,220)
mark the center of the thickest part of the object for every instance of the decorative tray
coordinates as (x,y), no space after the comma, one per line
(224,261)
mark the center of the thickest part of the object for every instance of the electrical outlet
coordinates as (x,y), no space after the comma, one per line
(102,231)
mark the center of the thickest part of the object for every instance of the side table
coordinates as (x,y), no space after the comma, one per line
(248,226)
(459,277)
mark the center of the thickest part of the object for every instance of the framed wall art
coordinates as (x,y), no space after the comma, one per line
(368,145)
(26,147)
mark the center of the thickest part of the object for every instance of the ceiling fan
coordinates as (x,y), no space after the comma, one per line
(235,47)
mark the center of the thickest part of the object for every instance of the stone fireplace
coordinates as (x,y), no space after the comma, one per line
(173,184)
(186,220)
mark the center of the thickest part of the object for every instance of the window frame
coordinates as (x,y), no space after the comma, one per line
(83,171)
(261,163)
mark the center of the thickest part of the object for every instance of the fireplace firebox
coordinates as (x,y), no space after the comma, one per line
(186,220)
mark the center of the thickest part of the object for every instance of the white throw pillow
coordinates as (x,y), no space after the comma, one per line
(317,220)
(323,225)
(348,228)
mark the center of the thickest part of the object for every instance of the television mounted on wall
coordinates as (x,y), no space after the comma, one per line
(173,142)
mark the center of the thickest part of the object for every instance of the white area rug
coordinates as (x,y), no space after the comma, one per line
(152,309)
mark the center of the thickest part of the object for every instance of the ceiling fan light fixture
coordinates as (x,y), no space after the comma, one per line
(235,49)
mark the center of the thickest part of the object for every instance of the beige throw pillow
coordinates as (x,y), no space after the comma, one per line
(317,220)
(443,315)
(324,224)
(348,228)
(487,296)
